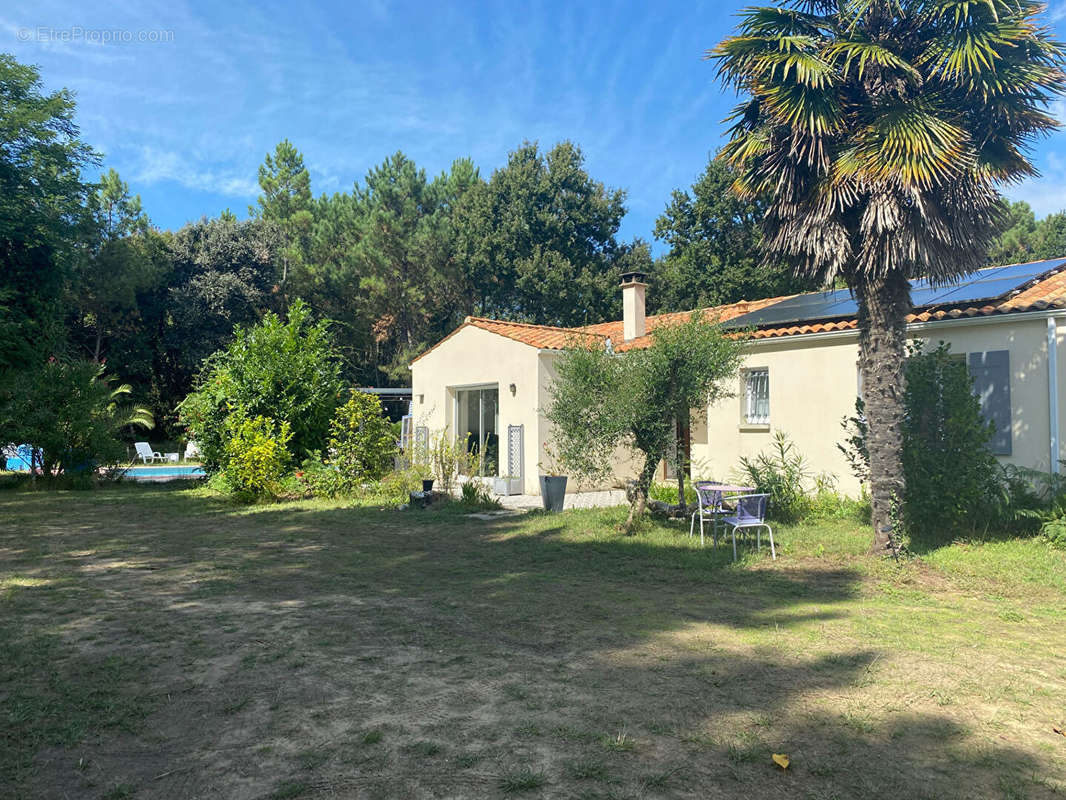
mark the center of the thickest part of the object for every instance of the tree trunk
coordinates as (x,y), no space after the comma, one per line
(682,435)
(883,307)
(640,494)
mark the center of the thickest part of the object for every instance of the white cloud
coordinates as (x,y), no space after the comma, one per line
(155,166)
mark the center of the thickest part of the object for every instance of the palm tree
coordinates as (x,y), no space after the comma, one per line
(123,414)
(881,129)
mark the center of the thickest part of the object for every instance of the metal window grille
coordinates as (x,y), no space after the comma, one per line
(757,397)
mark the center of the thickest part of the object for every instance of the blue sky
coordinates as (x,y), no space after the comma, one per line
(188,120)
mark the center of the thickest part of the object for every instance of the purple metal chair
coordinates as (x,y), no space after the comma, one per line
(750,513)
(709,508)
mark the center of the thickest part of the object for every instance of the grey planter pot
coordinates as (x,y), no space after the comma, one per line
(553,491)
(507,486)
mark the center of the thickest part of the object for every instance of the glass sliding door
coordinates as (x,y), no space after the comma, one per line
(477,422)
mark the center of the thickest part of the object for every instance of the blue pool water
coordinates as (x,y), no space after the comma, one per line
(165,472)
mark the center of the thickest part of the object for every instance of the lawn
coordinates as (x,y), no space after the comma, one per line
(156,642)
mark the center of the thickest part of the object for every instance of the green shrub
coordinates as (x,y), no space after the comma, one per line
(315,478)
(255,458)
(1054,531)
(1021,499)
(953,481)
(396,487)
(667,493)
(287,370)
(70,412)
(475,495)
(362,443)
(1036,501)
(781,473)
(445,460)
(827,503)
(361,447)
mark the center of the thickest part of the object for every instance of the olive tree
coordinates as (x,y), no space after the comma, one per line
(603,401)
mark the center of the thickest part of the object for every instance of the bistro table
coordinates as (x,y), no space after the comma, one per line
(714,506)
(725,488)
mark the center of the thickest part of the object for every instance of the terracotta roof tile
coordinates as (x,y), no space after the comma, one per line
(723,313)
(544,337)
(1050,292)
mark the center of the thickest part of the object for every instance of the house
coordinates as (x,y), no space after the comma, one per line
(488,381)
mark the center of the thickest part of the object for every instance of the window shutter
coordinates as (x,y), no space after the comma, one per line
(991,383)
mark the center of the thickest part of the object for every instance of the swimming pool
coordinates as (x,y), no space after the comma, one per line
(164,473)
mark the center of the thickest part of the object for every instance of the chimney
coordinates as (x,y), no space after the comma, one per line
(633,291)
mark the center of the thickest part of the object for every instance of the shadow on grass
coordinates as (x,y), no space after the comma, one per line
(926,543)
(441,623)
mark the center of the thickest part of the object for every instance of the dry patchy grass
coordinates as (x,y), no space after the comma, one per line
(157,643)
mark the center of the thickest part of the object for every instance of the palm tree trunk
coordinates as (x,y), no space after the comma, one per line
(883,307)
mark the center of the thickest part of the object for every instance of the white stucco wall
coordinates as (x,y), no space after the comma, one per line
(812,387)
(471,357)
(813,384)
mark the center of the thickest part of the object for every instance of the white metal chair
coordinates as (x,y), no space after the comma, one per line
(750,513)
(709,507)
(192,451)
(146,454)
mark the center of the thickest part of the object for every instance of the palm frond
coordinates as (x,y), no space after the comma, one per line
(742,148)
(908,143)
(816,112)
(969,53)
(999,160)
(880,128)
(844,55)
(765,58)
(779,21)
(1016,82)
(125,414)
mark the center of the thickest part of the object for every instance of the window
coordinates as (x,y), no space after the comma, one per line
(477,417)
(757,396)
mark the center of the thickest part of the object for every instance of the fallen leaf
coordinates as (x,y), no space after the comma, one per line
(781,760)
(1059,731)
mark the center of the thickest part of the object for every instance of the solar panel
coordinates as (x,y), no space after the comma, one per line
(836,303)
(985,284)
(994,283)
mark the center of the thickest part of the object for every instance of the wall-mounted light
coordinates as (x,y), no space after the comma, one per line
(513,389)
(421,399)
